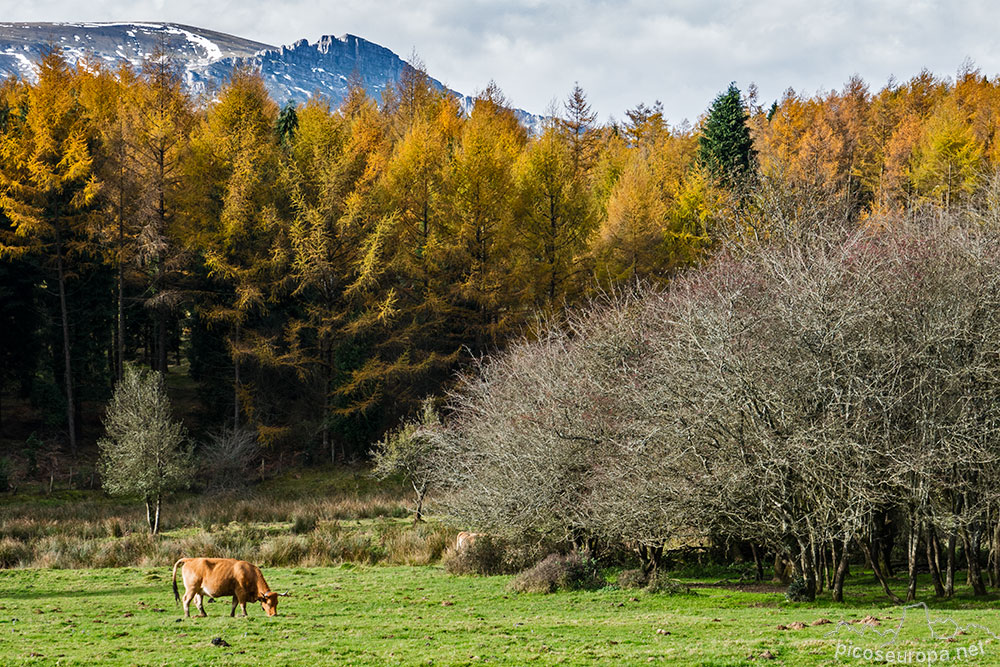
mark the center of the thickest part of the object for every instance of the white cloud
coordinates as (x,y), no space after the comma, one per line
(682,52)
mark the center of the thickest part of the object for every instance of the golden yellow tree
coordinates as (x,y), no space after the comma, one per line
(47,188)
(232,221)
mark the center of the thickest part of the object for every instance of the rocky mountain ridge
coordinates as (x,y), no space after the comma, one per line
(292,73)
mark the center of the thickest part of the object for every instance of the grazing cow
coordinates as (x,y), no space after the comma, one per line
(466,539)
(218,577)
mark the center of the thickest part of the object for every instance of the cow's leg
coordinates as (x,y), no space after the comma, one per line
(187,601)
(233,611)
(199,602)
(243,606)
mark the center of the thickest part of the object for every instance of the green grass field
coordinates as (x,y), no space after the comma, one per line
(422,615)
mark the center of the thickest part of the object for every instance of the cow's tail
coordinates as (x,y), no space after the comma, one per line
(177,595)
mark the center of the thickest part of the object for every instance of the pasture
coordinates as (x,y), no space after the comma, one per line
(413,615)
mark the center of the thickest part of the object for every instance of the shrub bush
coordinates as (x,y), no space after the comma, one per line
(284,550)
(302,524)
(557,572)
(485,556)
(64,552)
(228,458)
(798,592)
(660,583)
(124,551)
(632,579)
(14,553)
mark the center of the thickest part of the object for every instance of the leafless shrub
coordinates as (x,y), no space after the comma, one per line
(637,578)
(228,458)
(555,572)
(485,556)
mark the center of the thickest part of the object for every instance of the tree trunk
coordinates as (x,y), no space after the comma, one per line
(120,324)
(995,551)
(912,547)
(971,544)
(327,372)
(156,519)
(933,560)
(236,378)
(949,575)
(819,563)
(149,514)
(781,566)
(162,342)
(879,574)
(650,557)
(808,566)
(837,588)
(758,565)
(420,490)
(64,316)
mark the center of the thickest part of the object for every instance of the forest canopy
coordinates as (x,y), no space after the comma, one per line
(317,271)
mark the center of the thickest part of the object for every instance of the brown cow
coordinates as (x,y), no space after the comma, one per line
(466,539)
(218,577)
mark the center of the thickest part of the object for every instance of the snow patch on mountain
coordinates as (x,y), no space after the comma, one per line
(292,73)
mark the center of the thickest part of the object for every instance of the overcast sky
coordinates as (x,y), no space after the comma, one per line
(682,52)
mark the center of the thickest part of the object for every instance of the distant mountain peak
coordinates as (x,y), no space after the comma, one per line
(292,73)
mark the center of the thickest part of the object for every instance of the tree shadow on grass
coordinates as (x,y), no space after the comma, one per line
(25,594)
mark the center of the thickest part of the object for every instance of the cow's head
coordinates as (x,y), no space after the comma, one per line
(269,602)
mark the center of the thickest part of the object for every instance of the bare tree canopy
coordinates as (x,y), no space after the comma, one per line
(793,393)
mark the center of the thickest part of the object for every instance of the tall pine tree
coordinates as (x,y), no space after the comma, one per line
(726,147)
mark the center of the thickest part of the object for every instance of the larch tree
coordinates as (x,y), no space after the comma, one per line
(578,124)
(320,249)
(948,159)
(628,244)
(104,96)
(47,188)
(232,219)
(555,217)
(481,191)
(158,120)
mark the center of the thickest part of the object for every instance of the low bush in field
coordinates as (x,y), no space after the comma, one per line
(573,571)
(485,556)
(283,550)
(798,591)
(13,552)
(303,523)
(660,582)
(632,579)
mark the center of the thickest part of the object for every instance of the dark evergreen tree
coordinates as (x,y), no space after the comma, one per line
(288,122)
(725,146)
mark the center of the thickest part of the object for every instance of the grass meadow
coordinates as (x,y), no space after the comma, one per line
(420,615)
(82,584)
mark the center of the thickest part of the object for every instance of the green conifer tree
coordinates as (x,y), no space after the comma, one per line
(725,146)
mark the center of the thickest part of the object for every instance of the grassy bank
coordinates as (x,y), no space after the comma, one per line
(420,615)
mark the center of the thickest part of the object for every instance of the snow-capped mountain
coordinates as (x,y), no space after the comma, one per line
(292,73)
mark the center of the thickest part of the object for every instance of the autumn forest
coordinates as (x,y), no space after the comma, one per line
(316,271)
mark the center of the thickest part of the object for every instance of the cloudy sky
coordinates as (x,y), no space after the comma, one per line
(682,52)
